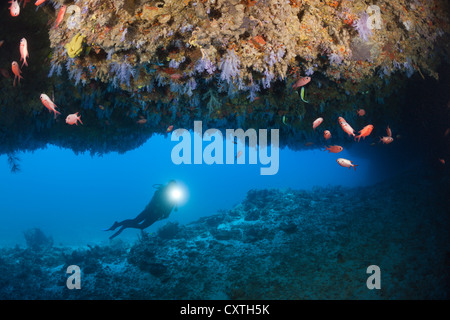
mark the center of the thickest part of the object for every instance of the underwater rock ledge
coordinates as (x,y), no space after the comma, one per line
(276,244)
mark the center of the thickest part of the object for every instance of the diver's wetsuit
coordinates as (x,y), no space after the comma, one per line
(158,208)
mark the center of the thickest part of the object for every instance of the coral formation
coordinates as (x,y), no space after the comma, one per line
(276,244)
(36,240)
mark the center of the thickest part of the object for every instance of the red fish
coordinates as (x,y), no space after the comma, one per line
(39,2)
(386,140)
(61,14)
(301,82)
(24,51)
(334,149)
(14,9)
(388,131)
(361,112)
(442,161)
(16,70)
(317,123)
(367,130)
(346,163)
(49,104)
(346,127)
(446,132)
(327,134)
(4,73)
(2,42)
(170,128)
(73,119)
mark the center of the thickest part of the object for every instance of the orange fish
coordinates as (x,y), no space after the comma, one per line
(327,134)
(388,131)
(14,9)
(367,130)
(334,149)
(361,112)
(16,70)
(346,127)
(24,51)
(442,161)
(61,14)
(142,121)
(346,163)
(317,123)
(301,82)
(73,118)
(386,140)
(4,73)
(170,128)
(39,2)
(49,104)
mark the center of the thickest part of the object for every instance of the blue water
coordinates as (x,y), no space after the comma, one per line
(73,197)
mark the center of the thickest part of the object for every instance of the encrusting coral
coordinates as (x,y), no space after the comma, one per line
(248,41)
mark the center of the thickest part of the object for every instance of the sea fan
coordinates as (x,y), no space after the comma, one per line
(362,26)
(229,65)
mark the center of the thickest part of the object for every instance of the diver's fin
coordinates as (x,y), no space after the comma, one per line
(114,226)
(117,233)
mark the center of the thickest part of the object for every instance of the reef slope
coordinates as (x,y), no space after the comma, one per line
(276,244)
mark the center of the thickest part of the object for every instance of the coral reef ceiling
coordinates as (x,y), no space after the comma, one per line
(132,68)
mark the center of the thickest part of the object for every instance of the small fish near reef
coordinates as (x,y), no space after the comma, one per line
(4,73)
(366,131)
(73,119)
(169,129)
(16,70)
(361,112)
(388,131)
(24,51)
(301,82)
(238,154)
(333,149)
(442,161)
(346,163)
(60,17)
(346,127)
(386,140)
(39,2)
(49,104)
(317,123)
(327,134)
(302,95)
(141,121)
(14,9)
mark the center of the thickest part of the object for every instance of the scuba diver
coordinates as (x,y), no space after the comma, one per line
(160,207)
